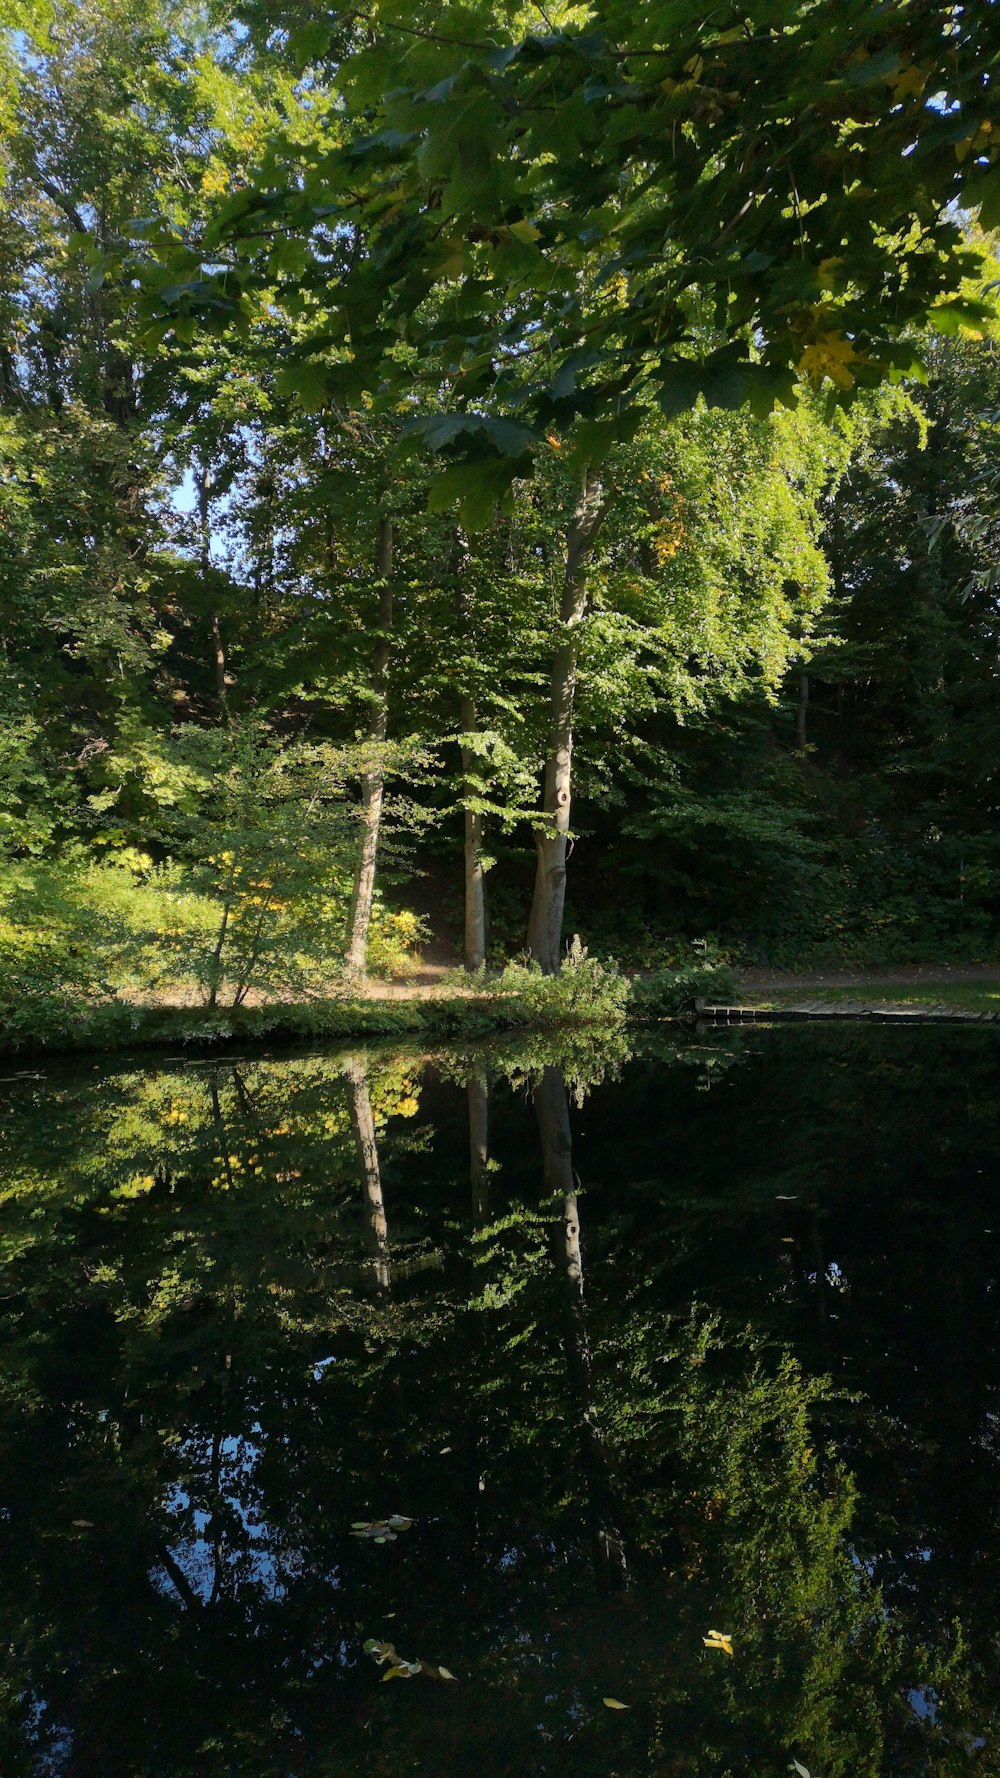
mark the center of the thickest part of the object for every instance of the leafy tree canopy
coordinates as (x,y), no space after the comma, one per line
(556,219)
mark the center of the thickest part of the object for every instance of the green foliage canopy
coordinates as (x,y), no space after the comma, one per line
(557,228)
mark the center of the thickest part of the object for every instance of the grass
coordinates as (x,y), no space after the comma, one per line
(969,997)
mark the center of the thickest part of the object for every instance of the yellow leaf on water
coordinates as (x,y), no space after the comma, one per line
(444,1674)
(717,1639)
(615,1704)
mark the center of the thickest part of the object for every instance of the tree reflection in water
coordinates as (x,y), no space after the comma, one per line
(772,1411)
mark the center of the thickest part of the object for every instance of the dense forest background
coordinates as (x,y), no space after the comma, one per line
(231,623)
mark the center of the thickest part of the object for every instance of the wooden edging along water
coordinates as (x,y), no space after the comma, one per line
(874,1015)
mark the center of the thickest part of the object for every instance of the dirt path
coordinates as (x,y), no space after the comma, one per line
(918,975)
(430,982)
(440,977)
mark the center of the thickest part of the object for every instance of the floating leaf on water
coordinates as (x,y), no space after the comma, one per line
(615,1704)
(717,1639)
(380,1651)
(400,1668)
(380,1530)
(84,1524)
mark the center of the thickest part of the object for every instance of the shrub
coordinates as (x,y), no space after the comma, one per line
(665,993)
(585,991)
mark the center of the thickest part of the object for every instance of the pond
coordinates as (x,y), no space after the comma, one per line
(610,1409)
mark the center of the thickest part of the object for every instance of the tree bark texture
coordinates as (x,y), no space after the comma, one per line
(474,938)
(363,1126)
(373,783)
(215,630)
(545,922)
(802,718)
(474,943)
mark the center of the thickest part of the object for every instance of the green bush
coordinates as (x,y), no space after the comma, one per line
(585,991)
(665,993)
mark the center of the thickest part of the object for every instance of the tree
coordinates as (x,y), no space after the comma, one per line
(555,234)
(561,226)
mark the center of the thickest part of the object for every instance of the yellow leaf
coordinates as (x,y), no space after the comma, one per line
(911,80)
(718,1639)
(524,231)
(444,1674)
(831,355)
(615,1704)
(695,67)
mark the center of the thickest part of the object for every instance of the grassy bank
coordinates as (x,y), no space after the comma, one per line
(875,996)
(517,999)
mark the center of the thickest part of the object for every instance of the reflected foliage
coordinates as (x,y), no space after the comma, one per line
(628,1351)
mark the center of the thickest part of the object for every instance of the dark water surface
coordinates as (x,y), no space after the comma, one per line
(701,1339)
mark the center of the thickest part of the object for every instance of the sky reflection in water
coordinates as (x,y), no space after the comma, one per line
(634,1348)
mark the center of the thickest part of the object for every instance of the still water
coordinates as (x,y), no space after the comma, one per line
(661,1374)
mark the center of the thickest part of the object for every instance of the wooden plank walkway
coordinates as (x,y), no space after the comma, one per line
(845,1009)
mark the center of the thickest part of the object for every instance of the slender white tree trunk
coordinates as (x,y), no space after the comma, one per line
(474,946)
(474,949)
(603,1507)
(363,1126)
(204,480)
(545,922)
(373,783)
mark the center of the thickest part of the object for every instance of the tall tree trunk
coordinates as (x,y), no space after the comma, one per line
(474,945)
(603,1507)
(215,972)
(551,839)
(373,782)
(205,539)
(802,718)
(219,660)
(479,1146)
(363,1125)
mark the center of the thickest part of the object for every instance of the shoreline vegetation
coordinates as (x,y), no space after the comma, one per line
(587,994)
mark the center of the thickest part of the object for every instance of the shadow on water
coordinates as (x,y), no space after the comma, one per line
(534,1366)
